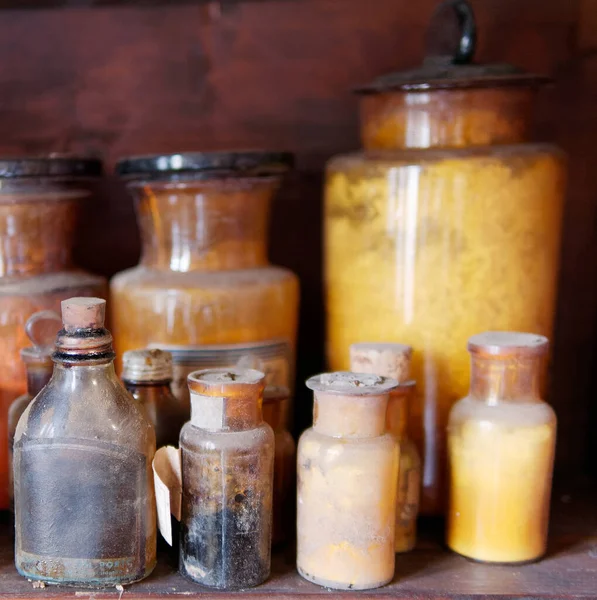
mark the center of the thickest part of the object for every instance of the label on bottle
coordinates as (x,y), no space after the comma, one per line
(82,510)
(273,357)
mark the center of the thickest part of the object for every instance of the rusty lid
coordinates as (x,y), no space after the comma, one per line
(451,40)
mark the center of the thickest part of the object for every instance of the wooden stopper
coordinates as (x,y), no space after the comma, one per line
(385,359)
(83,313)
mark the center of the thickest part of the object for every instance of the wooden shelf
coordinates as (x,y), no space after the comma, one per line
(568,571)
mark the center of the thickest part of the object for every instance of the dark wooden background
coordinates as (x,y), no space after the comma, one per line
(119,78)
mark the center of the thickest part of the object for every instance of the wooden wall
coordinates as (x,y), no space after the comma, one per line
(123,79)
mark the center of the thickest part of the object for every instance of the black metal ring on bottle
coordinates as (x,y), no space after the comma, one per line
(51,166)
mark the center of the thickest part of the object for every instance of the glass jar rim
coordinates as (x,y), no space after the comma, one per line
(508,343)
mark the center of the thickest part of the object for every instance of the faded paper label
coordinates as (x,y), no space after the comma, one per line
(167,476)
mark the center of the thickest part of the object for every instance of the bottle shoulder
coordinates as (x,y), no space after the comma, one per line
(96,409)
(143,276)
(48,283)
(313,442)
(196,440)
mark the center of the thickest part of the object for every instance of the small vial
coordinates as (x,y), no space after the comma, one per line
(501,443)
(394,360)
(41,328)
(276,403)
(147,375)
(84,496)
(227,481)
(347,484)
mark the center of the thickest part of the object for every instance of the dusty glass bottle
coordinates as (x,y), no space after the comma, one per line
(227,481)
(446,224)
(84,498)
(501,443)
(39,205)
(393,360)
(347,482)
(276,401)
(41,328)
(147,375)
(204,289)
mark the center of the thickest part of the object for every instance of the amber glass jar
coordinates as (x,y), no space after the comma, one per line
(227,453)
(501,442)
(39,200)
(347,478)
(204,290)
(446,224)
(276,401)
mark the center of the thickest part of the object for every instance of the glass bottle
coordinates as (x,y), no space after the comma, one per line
(446,224)
(147,375)
(227,476)
(276,401)
(41,328)
(347,484)
(393,360)
(39,203)
(204,289)
(84,497)
(501,442)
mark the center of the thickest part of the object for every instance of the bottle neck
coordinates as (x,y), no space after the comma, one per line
(36,230)
(397,413)
(512,379)
(349,416)
(134,386)
(446,118)
(208,225)
(89,374)
(38,375)
(226,413)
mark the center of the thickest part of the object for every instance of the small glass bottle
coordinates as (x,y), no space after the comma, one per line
(227,478)
(347,484)
(84,497)
(501,442)
(276,401)
(147,375)
(394,360)
(41,328)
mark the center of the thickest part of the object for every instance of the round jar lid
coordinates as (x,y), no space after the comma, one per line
(351,384)
(205,165)
(147,365)
(451,40)
(508,343)
(53,166)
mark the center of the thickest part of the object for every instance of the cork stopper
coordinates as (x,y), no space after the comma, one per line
(83,313)
(386,359)
(41,328)
(147,366)
(351,384)
(508,343)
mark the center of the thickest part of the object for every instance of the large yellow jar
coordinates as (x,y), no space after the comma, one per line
(501,443)
(448,223)
(205,290)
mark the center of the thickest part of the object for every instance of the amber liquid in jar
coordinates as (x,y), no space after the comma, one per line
(205,290)
(501,442)
(227,481)
(446,224)
(38,215)
(347,467)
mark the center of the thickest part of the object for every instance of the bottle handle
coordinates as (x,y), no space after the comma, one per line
(42,328)
(452,51)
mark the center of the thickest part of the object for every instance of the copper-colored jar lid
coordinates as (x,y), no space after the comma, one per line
(451,43)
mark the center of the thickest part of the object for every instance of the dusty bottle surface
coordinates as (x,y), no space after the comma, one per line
(147,375)
(347,483)
(205,290)
(501,442)
(446,223)
(41,328)
(275,408)
(84,499)
(39,205)
(227,476)
(393,360)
